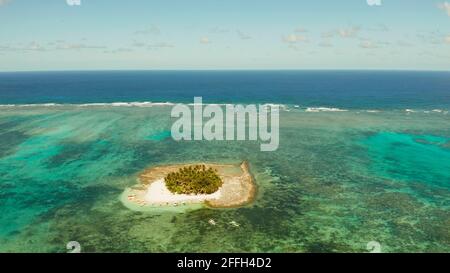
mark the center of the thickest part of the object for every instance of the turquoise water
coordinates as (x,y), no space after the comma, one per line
(337,181)
(410,157)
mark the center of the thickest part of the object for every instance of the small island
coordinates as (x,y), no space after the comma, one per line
(213,185)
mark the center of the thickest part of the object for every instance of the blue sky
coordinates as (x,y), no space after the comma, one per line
(224,34)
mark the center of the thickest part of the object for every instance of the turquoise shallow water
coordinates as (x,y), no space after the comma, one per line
(337,181)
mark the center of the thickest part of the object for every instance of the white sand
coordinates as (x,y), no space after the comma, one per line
(157,193)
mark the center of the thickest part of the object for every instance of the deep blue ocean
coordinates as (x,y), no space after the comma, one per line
(342,89)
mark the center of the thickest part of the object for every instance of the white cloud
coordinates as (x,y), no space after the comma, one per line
(243,36)
(49,46)
(293,47)
(61,45)
(404,44)
(4,2)
(301,30)
(119,50)
(348,33)
(367,44)
(294,38)
(218,30)
(138,44)
(160,45)
(447,39)
(431,37)
(380,28)
(205,40)
(327,34)
(154,30)
(326,43)
(5,47)
(445,7)
(35,46)
(151,45)
(32,46)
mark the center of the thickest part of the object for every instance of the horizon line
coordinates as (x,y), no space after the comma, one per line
(230,69)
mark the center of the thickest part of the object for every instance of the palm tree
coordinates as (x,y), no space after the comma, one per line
(194,179)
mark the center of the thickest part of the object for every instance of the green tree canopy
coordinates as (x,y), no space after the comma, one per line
(194,179)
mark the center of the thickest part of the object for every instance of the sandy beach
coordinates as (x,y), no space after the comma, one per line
(238,188)
(157,193)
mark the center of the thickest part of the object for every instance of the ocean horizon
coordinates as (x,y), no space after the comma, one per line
(352,89)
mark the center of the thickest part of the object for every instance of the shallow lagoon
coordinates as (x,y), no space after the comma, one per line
(337,181)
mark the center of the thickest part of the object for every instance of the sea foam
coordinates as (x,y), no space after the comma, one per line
(324,109)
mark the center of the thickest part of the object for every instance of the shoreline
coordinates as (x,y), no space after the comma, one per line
(238,189)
